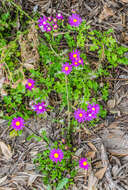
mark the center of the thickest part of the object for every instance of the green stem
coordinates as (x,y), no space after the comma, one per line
(66,80)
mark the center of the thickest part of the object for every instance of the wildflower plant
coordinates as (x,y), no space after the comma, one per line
(56,164)
(69,72)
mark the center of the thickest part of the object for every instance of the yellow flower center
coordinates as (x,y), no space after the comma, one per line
(79,61)
(75,55)
(84,163)
(56,155)
(17,123)
(80,114)
(29,84)
(93,108)
(66,68)
(75,63)
(90,115)
(75,20)
(40,107)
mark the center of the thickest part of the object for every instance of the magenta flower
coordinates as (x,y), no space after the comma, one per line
(83,163)
(43,24)
(59,16)
(92,111)
(94,108)
(56,155)
(81,61)
(17,123)
(55,26)
(80,115)
(54,20)
(74,20)
(48,28)
(90,116)
(50,19)
(75,63)
(75,55)
(40,107)
(30,84)
(42,21)
(66,68)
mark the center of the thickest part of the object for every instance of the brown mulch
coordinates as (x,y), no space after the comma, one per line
(106,144)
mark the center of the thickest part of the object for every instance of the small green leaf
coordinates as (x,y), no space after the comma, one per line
(62,183)
(49,187)
(13,133)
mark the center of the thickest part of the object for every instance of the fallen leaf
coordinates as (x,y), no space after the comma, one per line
(28,66)
(107,12)
(3,92)
(100,173)
(32,178)
(91,154)
(111,103)
(3,179)
(5,150)
(92,146)
(124,1)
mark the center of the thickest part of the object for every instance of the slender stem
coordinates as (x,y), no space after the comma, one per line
(66,79)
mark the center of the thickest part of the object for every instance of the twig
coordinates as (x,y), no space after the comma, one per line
(116,79)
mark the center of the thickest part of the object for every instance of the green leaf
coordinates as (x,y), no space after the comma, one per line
(62,183)
(34,136)
(20,132)
(13,133)
(49,187)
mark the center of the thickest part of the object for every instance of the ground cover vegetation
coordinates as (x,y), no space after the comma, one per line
(67,71)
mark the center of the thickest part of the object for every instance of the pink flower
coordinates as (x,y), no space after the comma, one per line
(92,111)
(54,20)
(48,28)
(59,16)
(75,55)
(55,27)
(81,61)
(40,107)
(30,84)
(83,163)
(17,123)
(49,19)
(94,108)
(75,63)
(43,23)
(75,20)
(56,155)
(80,115)
(66,68)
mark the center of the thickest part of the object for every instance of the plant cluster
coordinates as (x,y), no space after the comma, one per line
(70,73)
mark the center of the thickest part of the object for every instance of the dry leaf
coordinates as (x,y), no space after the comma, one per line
(111,103)
(92,146)
(124,1)
(5,150)
(28,66)
(105,13)
(99,174)
(3,92)
(91,154)
(32,179)
(3,179)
